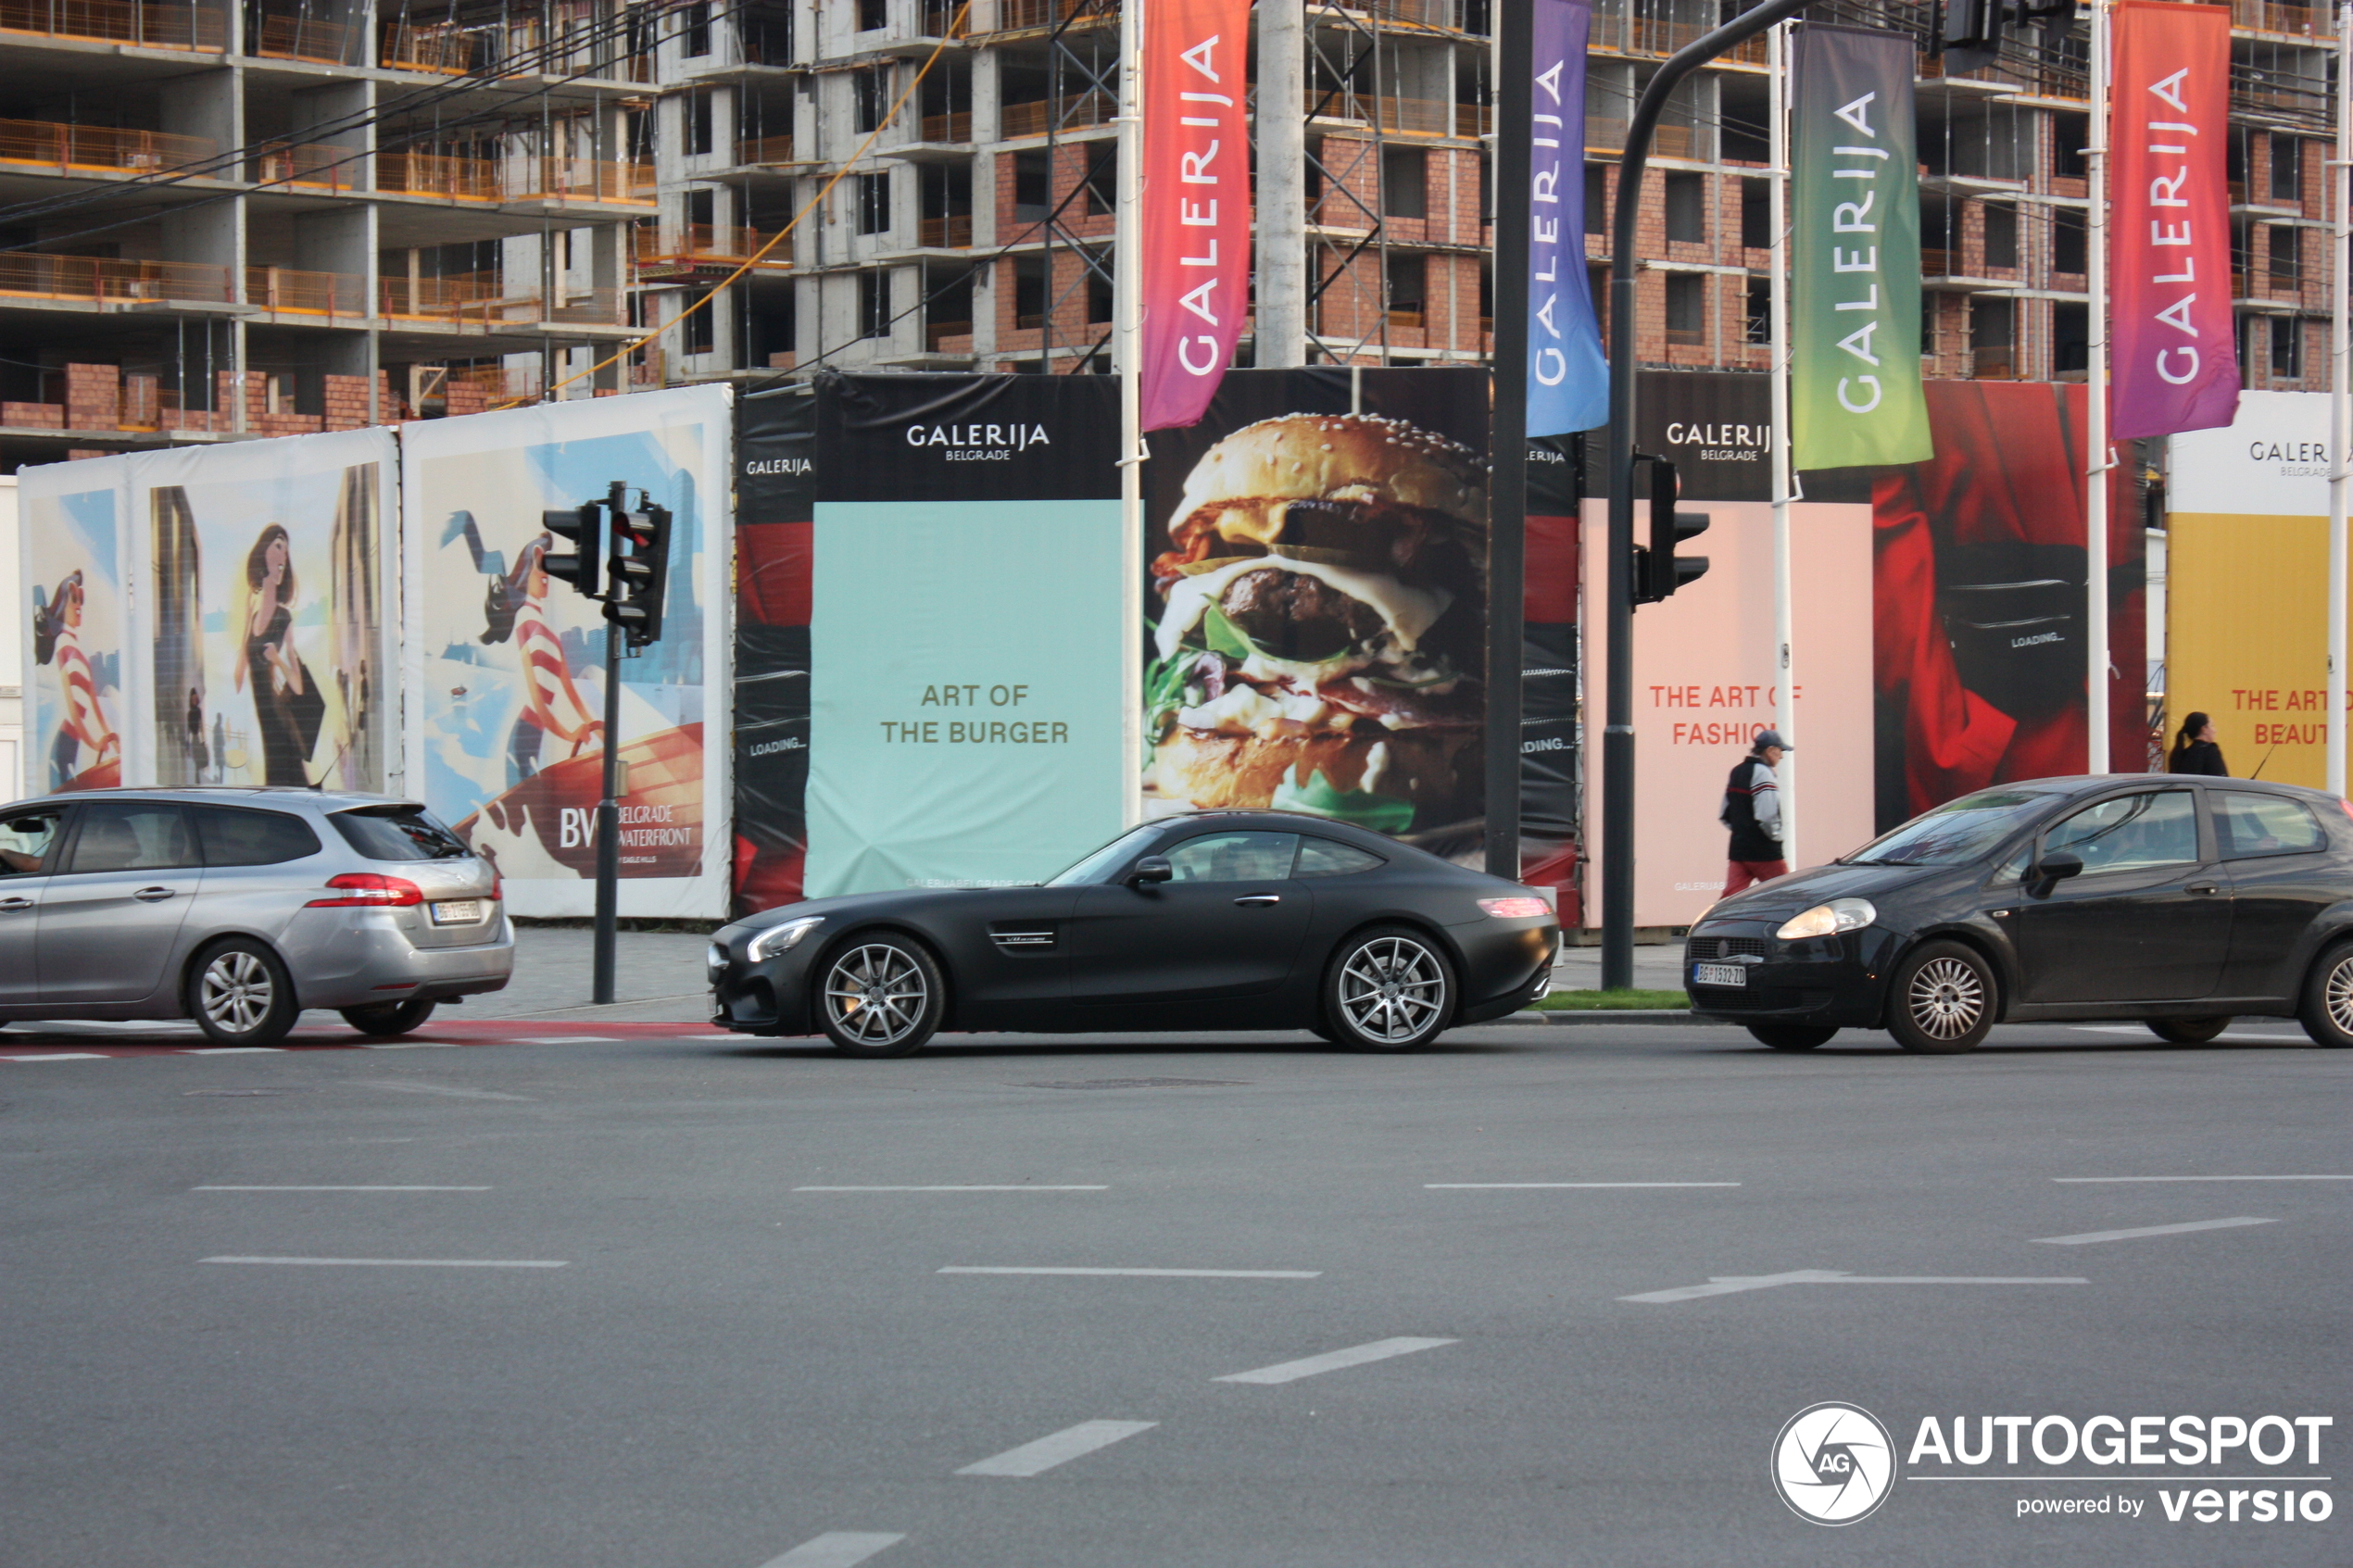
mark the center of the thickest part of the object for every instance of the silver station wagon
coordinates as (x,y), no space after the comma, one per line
(240,908)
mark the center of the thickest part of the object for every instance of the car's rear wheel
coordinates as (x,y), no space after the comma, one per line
(1941,999)
(2326,1008)
(1388,989)
(239,993)
(2187,1031)
(1791,1037)
(881,996)
(387,1019)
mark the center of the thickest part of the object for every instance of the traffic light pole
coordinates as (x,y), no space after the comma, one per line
(608,824)
(1618,735)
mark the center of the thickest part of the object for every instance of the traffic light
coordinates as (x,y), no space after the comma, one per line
(1660,569)
(641,570)
(582,526)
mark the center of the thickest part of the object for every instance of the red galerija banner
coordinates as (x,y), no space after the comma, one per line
(2173,363)
(1196,203)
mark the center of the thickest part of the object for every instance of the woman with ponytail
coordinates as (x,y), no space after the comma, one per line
(2195,751)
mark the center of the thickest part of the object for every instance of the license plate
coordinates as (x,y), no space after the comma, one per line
(1719,974)
(457,911)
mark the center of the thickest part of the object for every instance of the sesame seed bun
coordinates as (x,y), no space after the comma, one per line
(1337,457)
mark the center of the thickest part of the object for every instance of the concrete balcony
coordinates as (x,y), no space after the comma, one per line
(146,24)
(97,150)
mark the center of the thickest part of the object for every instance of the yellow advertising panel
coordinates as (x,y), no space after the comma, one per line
(2246,619)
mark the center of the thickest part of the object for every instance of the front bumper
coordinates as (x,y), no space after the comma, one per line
(768,998)
(1840,982)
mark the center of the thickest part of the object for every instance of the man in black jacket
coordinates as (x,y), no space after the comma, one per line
(1753,811)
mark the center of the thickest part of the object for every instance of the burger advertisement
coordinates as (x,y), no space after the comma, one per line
(1316,606)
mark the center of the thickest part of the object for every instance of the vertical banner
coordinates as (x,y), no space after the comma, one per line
(1317,600)
(1854,323)
(775,501)
(965,716)
(2174,365)
(267,612)
(1568,381)
(76,617)
(1196,202)
(505,675)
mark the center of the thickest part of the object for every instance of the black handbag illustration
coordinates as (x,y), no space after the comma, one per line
(2013,615)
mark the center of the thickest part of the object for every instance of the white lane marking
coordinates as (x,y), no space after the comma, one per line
(1488,1187)
(234,1050)
(562,1040)
(2089,1237)
(413,1046)
(1023,1187)
(2109,1179)
(1147,1273)
(60,1056)
(400,1262)
(836,1548)
(1060,1447)
(410,1088)
(1332,1361)
(1728,1285)
(218,1186)
(2296,1037)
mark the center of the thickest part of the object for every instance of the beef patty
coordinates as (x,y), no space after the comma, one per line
(1295,616)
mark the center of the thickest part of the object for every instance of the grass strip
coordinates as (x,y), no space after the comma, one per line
(1614,1001)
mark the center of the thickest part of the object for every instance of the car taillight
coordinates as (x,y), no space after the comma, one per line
(1516,908)
(497,887)
(370,890)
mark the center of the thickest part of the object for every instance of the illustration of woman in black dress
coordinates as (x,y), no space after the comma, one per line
(286,703)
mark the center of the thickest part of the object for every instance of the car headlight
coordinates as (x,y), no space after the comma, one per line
(782,938)
(1826,920)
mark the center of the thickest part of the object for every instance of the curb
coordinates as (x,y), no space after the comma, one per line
(1606,1015)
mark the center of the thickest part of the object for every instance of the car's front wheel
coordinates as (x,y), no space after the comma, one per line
(2187,1031)
(2326,1008)
(882,994)
(1791,1037)
(387,1019)
(1941,999)
(239,993)
(1388,989)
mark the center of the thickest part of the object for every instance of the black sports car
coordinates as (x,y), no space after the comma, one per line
(1236,920)
(2177,901)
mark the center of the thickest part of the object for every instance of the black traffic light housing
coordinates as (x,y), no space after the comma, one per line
(1660,569)
(582,527)
(639,568)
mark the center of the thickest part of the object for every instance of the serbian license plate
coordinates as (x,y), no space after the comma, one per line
(1719,974)
(457,911)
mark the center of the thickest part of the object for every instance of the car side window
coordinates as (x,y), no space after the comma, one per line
(26,840)
(1233,857)
(132,835)
(2246,825)
(1321,856)
(2130,832)
(232,836)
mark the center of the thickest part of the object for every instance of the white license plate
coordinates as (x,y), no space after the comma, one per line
(457,911)
(1719,974)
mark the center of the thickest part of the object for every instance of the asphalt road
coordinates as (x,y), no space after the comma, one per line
(735,1368)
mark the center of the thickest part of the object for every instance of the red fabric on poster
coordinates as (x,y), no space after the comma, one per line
(1196,203)
(2007,481)
(2174,365)
(772,572)
(1550,594)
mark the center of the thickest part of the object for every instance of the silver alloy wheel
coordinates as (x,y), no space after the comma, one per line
(1391,988)
(1946,998)
(876,994)
(236,992)
(2337,995)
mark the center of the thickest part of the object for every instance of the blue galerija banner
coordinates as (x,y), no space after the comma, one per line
(1568,381)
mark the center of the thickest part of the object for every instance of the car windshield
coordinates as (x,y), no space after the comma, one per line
(1093,867)
(1956,833)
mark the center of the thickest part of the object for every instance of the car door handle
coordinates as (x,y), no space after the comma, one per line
(1259,898)
(11,905)
(153,894)
(2202,887)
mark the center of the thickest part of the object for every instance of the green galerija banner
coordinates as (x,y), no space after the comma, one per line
(1854,318)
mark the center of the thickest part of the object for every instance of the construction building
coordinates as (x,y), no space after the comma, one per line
(221,220)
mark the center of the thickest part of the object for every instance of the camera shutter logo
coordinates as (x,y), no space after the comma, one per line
(1833,1463)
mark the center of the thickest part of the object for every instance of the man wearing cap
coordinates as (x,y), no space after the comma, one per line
(1753,811)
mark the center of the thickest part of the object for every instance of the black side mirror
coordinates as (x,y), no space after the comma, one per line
(1151,869)
(2053,868)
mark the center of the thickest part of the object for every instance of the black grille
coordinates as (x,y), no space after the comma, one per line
(1757,999)
(1706,950)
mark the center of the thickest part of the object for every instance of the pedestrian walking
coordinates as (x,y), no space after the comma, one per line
(1753,811)
(2195,751)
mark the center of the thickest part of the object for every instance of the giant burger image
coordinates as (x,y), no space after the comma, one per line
(1321,626)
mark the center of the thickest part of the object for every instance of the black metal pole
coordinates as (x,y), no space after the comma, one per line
(1618,735)
(1508,481)
(609,824)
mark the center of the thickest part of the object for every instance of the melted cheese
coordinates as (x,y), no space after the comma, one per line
(1407,612)
(1246,709)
